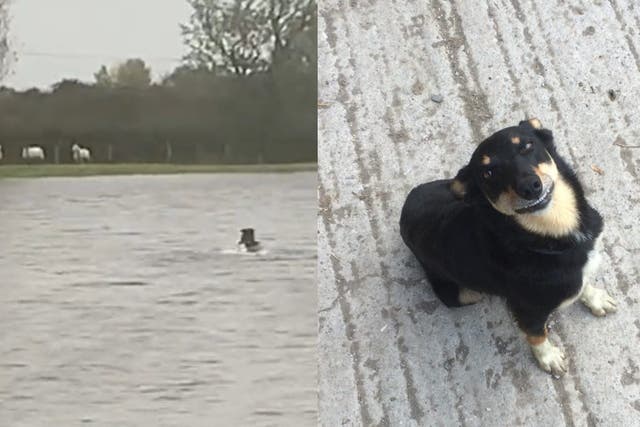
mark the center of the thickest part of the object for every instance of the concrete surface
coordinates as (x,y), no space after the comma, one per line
(389,352)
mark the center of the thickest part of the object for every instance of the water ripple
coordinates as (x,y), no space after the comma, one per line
(126,302)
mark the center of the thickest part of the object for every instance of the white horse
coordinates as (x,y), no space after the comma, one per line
(32,152)
(80,154)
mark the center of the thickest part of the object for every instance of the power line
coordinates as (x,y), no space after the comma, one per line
(95,56)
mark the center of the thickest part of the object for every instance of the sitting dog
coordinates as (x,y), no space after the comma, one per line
(513,222)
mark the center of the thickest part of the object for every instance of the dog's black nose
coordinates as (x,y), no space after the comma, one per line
(529,187)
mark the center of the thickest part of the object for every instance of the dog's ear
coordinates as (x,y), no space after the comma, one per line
(532,123)
(545,135)
(463,185)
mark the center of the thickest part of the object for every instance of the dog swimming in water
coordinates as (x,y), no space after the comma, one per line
(248,242)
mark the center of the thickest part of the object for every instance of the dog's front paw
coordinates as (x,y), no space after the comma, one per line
(550,358)
(468,296)
(598,300)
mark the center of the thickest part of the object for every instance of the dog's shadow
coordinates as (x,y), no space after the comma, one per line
(477,345)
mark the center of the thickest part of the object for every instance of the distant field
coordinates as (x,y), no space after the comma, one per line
(32,171)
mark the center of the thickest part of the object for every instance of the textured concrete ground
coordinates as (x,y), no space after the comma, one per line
(389,352)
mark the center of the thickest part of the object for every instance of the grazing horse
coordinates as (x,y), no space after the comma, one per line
(80,154)
(32,152)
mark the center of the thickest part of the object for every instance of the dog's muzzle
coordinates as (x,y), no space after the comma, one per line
(526,206)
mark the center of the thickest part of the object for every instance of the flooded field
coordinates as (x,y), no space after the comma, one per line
(124,303)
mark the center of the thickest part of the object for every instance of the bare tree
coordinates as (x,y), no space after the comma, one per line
(6,56)
(103,78)
(243,36)
(287,20)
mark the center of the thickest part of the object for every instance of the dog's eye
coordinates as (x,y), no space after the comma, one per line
(487,174)
(526,148)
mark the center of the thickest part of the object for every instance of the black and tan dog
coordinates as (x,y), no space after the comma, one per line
(514,222)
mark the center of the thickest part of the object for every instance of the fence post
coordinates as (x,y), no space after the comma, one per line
(169,151)
(199,156)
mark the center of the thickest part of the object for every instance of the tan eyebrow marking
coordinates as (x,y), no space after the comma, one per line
(515,139)
(486,160)
(535,123)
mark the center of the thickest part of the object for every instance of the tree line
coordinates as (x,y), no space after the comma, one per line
(245,93)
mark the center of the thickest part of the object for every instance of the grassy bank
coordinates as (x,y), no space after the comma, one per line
(31,171)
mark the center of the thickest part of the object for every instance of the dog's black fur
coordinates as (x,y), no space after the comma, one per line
(463,241)
(247,239)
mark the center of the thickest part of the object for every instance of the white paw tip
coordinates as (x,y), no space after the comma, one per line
(550,358)
(600,302)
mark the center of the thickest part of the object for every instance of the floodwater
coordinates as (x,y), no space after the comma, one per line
(123,301)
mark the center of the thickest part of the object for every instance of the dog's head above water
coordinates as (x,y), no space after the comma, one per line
(516,170)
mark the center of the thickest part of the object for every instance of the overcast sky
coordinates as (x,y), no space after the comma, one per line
(56,39)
